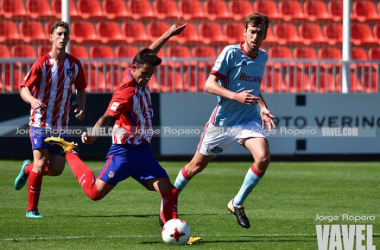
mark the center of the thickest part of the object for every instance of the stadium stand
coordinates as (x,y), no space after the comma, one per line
(56,8)
(371,82)
(211,33)
(333,32)
(365,11)
(297,82)
(335,8)
(269,7)
(115,9)
(4,51)
(32,31)
(109,32)
(43,50)
(90,9)
(304,53)
(216,10)
(165,9)
(156,28)
(311,34)
(376,33)
(316,11)
(79,51)
(330,53)
(13,9)
(286,34)
(291,10)
(95,80)
(189,35)
(233,32)
(239,9)
(23,51)
(194,81)
(14,76)
(191,10)
(134,32)
(9,32)
(361,35)
(125,51)
(39,9)
(140,9)
(323,82)
(83,32)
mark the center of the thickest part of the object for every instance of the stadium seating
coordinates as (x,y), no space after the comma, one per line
(140,9)
(194,82)
(304,53)
(156,28)
(359,53)
(191,10)
(101,52)
(280,52)
(361,35)
(335,8)
(79,51)
(376,33)
(179,52)
(134,32)
(189,35)
(374,54)
(9,32)
(165,9)
(170,80)
(324,82)
(4,51)
(269,7)
(355,84)
(23,51)
(272,82)
(371,82)
(90,9)
(365,11)
(83,32)
(291,10)
(316,11)
(32,32)
(115,9)
(239,9)
(95,81)
(56,7)
(204,52)
(330,53)
(13,9)
(43,50)
(18,77)
(311,34)
(333,33)
(39,9)
(286,34)
(126,51)
(269,39)
(112,79)
(234,32)
(216,10)
(211,33)
(109,32)
(297,82)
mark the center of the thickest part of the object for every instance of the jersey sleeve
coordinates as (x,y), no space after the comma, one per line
(80,81)
(121,102)
(221,66)
(33,77)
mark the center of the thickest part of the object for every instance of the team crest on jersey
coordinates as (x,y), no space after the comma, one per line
(111,174)
(35,141)
(69,73)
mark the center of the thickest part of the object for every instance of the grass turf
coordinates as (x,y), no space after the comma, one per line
(282,208)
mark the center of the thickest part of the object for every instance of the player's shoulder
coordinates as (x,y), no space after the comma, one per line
(231,48)
(72,59)
(263,53)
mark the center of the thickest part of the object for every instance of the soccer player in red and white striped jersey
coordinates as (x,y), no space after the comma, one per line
(48,87)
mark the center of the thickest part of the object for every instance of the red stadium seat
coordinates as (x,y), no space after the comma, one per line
(371,82)
(211,33)
(12,84)
(191,10)
(376,32)
(155,29)
(291,10)
(355,84)
(374,54)
(56,7)
(189,35)
(8,32)
(330,53)
(90,9)
(101,52)
(4,51)
(240,9)
(126,51)
(286,34)
(365,11)
(115,9)
(32,31)
(216,10)
(13,9)
(268,7)
(234,32)
(170,80)
(323,82)
(109,32)
(358,53)
(270,40)
(79,51)
(361,35)
(113,79)
(297,82)
(179,52)
(23,51)
(272,82)
(316,10)
(43,50)
(279,52)
(311,34)
(194,82)
(304,53)
(83,32)
(140,9)
(333,32)
(95,80)
(203,52)
(335,8)
(134,32)
(39,9)
(165,9)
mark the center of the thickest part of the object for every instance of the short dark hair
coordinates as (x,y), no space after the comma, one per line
(59,24)
(146,56)
(256,19)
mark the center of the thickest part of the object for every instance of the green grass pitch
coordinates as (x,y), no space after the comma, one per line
(282,208)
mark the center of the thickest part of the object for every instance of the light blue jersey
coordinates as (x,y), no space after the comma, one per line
(238,72)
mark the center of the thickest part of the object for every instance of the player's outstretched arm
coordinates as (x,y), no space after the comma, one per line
(266,115)
(213,87)
(172,31)
(103,122)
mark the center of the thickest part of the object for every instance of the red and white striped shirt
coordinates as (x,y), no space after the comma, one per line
(132,108)
(52,83)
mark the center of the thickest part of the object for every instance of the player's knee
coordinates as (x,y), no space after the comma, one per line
(263,160)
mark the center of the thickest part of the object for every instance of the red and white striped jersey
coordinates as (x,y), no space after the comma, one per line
(132,108)
(52,83)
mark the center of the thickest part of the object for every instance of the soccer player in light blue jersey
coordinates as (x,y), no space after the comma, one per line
(240,114)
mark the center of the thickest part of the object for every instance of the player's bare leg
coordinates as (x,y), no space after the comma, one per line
(260,152)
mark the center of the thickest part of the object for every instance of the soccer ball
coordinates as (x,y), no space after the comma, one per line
(176,232)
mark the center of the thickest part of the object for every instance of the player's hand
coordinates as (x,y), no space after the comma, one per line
(246,98)
(80,115)
(37,104)
(176,29)
(267,119)
(87,139)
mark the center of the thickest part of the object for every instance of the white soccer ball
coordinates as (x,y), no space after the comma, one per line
(176,232)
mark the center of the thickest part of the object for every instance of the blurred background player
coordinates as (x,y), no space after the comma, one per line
(50,79)
(235,79)
(129,155)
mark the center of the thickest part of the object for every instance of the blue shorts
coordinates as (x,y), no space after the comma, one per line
(37,137)
(136,161)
